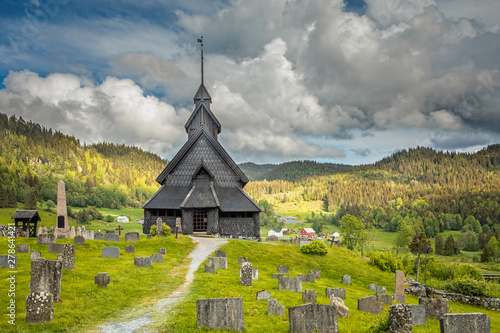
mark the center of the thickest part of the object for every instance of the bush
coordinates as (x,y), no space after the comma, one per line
(468,286)
(444,271)
(109,218)
(164,227)
(315,247)
(386,261)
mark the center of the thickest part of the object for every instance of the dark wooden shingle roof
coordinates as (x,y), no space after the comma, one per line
(168,197)
(26,214)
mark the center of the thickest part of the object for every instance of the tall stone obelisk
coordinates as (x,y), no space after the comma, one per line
(62,227)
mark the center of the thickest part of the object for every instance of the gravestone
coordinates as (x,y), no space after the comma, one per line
(338,304)
(290,283)
(220,313)
(45,239)
(159,227)
(60,236)
(98,236)
(304,242)
(369,304)
(111,252)
(275,308)
(210,269)
(317,274)
(35,255)
(283,269)
(178,224)
(417,314)
(156,257)
(45,230)
(46,276)
(218,262)
(8,261)
(39,307)
(276,276)
(381,291)
(373,287)
(263,294)
(162,251)
(102,279)
(346,279)
(435,307)
(241,260)
(399,287)
(311,317)
(272,238)
(337,292)
(132,237)
(309,296)
(79,231)
(129,248)
(400,320)
(142,262)
(23,248)
(72,233)
(220,253)
(246,274)
(79,240)
(56,248)
(109,231)
(51,231)
(69,257)
(88,234)
(255,273)
(385,299)
(465,322)
(40,231)
(306,278)
(112,237)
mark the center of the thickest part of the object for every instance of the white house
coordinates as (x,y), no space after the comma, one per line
(275,232)
(123,219)
(335,235)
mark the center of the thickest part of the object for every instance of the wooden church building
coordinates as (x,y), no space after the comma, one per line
(202,184)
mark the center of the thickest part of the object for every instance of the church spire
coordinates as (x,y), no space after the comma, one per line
(200,40)
(202,93)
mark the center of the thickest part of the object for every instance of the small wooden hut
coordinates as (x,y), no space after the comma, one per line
(29,219)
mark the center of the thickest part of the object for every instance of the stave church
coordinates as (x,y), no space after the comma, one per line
(202,185)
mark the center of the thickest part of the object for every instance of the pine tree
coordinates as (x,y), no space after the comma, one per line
(417,246)
(439,244)
(449,246)
(12,198)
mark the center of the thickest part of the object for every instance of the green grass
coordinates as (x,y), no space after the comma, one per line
(83,305)
(265,257)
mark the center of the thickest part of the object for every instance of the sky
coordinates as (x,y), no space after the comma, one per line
(332,81)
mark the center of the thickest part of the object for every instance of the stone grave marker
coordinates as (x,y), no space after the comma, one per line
(241,260)
(290,283)
(309,296)
(399,287)
(129,248)
(381,291)
(60,236)
(8,261)
(119,229)
(304,242)
(56,248)
(132,237)
(346,279)
(373,287)
(79,240)
(40,231)
(79,231)
(159,227)
(400,320)
(39,307)
(385,300)
(112,237)
(311,317)
(72,233)
(156,257)
(337,292)
(220,313)
(102,279)
(109,231)
(142,262)
(210,269)
(88,234)
(220,253)
(369,304)
(111,252)
(275,308)
(435,307)
(338,304)
(45,239)
(98,236)
(283,269)
(307,278)
(263,294)
(272,238)
(465,322)
(317,274)
(277,275)
(35,255)
(255,273)
(46,276)
(246,274)
(417,314)
(162,251)
(218,262)
(23,248)
(69,257)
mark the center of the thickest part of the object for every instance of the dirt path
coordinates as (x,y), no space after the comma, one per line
(204,247)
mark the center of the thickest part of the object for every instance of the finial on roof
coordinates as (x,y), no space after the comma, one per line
(200,40)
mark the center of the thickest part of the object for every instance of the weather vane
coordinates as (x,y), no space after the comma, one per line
(200,40)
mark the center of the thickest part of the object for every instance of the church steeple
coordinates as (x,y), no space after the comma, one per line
(202,93)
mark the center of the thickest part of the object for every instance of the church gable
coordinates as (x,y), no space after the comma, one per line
(202,116)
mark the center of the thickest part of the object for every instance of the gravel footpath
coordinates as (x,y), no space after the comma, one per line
(204,247)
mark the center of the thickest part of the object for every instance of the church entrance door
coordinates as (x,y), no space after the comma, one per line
(200,221)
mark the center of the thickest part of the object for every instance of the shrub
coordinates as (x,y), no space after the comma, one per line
(152,231)
(109,218)
(164,227)
(468,286)
(315,247)
(444,271)
(386,261)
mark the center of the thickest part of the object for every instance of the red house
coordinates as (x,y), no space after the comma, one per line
(308,232)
